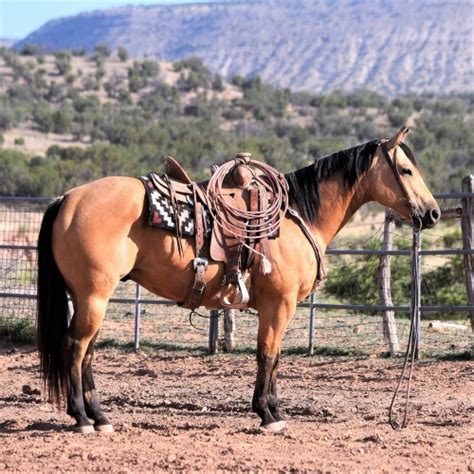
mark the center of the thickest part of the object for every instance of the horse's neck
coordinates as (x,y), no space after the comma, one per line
(337,206)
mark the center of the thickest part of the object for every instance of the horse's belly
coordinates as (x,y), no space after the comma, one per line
(161,270)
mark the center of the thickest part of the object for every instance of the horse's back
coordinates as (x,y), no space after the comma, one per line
(115,196)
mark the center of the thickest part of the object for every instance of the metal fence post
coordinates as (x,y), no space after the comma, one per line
(384,274)
(138,316)
(312,312)
(213,331)
(467,237)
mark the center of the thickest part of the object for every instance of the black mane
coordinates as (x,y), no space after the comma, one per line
(304,183)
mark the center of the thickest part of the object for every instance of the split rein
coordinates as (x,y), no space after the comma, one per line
(413,336)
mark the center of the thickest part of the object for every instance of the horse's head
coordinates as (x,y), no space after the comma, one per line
(400,185)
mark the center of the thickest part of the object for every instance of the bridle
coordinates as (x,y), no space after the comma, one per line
(414,213)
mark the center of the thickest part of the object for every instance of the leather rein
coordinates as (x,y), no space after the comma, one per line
(410,353)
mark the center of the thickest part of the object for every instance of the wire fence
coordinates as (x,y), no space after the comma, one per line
(332,323)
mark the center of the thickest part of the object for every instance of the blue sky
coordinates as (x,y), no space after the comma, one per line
(20,17)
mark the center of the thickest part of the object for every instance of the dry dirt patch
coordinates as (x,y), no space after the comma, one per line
(175,411)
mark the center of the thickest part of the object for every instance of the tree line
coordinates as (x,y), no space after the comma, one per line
(129,121)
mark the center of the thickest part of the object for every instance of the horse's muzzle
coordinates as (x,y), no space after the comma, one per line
(431,217)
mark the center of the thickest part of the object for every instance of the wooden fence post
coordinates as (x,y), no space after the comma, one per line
(467,237)
(229,330)
(384,274)
(213,331)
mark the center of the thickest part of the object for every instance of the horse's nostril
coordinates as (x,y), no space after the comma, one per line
(435,214)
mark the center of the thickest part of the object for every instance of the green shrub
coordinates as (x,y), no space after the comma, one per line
(99,73)
(78,52)
(29,50)
(193,75)
(122,53)
(21,331)
(218,83)
(102,50)
(63,62)
(356,282)
(140,73)
(7,116)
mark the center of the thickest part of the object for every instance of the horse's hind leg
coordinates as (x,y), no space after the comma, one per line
(84,326)
(91,399)
(273,319)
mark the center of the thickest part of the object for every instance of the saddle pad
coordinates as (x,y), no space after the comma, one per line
(161,212)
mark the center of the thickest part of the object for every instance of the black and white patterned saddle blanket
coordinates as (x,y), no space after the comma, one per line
(161,212)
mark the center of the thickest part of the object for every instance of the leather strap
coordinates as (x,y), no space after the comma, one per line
(321,273)
(266,265)
(233,265)
(393,166)
(200,264)
(199,223)
(196,292)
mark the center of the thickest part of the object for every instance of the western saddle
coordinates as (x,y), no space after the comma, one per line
(247,200)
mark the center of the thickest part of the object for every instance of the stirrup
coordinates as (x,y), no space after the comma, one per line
(241,297)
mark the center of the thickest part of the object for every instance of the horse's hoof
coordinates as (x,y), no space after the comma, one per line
(84,429)
(104,428)
(275,427)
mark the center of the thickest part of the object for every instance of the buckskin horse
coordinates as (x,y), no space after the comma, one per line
(96,234)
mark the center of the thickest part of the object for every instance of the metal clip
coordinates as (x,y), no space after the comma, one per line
(197,262)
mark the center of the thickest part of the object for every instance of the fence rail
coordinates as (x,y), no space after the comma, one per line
(18,232)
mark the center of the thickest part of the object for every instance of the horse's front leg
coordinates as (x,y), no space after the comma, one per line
(273,320)
(273,403)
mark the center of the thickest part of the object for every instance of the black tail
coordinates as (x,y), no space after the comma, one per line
(52,310)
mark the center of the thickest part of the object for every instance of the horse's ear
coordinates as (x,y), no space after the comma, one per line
(398,138)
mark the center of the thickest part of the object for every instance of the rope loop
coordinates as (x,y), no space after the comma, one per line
(249,225)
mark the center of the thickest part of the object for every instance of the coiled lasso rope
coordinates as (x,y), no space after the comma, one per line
(249,225)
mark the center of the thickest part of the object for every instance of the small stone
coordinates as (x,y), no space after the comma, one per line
(371,439)
(171,458)
(27,390)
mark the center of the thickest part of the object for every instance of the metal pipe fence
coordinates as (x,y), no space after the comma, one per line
(321,324)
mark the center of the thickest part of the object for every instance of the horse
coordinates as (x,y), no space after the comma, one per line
(96,234)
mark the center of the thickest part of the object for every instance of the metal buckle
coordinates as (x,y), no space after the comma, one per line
(200,261)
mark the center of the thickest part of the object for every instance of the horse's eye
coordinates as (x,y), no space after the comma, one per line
(406,172)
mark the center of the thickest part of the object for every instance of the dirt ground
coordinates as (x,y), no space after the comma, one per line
(178,411)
